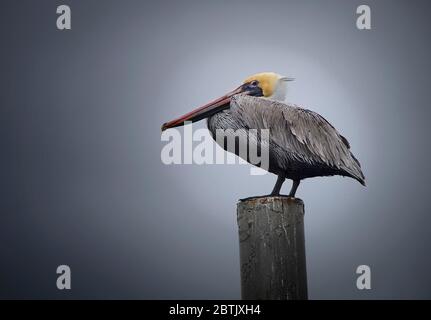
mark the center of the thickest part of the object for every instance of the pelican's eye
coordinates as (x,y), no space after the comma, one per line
(254,83)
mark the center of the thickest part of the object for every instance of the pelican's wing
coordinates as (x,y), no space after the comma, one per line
(305,135)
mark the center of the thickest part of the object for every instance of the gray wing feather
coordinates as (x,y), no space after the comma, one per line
(305,135)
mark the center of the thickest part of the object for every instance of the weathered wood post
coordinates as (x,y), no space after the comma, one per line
(272,248)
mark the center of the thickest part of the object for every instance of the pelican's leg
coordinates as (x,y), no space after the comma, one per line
(275,191)
(295,185)
(277,187)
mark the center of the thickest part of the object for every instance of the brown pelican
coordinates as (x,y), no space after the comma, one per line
(302,144)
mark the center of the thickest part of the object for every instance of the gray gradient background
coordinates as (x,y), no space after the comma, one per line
(82,183)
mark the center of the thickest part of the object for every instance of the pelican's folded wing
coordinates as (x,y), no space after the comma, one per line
(305,135)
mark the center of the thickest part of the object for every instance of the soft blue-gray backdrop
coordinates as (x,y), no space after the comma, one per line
(83,185)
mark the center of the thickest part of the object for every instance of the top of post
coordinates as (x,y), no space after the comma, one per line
(270,199)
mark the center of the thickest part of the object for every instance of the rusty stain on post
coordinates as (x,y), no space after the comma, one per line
(272,248)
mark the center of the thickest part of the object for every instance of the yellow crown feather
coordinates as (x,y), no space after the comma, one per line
(267,82)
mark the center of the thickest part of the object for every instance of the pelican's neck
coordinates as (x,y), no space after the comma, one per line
(280,91)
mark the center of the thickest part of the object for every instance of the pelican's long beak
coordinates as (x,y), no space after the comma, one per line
(205,111)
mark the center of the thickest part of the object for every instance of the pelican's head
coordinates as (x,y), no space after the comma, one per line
(266,84)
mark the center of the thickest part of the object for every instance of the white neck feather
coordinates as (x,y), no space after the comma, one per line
(280,91)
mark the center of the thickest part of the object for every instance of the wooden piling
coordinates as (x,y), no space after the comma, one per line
(272,248)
